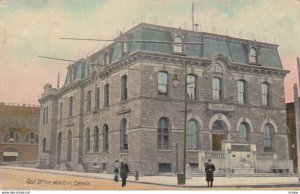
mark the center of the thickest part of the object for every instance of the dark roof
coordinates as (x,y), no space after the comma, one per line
(234,48)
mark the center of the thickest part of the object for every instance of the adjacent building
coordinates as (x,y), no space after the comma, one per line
(122,103)
(290,113)
(19,132)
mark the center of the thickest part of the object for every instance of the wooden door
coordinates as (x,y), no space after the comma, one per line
(217,141)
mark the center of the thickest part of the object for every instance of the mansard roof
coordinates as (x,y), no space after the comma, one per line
(235,49)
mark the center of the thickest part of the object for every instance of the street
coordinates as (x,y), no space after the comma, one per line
(29,180)
(33,179)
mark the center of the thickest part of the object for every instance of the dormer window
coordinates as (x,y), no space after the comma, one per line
(124,47)
(107,58)
(252,55)
(88,69)
(178,46)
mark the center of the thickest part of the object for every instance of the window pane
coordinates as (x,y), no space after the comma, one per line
(216,88)
(177,45)
(191,89)
(163,134)
(192,135)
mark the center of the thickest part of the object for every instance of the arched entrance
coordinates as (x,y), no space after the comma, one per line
(219,133)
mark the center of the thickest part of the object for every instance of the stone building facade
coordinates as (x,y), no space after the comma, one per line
(122,103)
(19,132)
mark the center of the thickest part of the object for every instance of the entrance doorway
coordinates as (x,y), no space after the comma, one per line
(217,141)
(219,134)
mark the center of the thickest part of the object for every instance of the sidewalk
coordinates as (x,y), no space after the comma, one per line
(194,182)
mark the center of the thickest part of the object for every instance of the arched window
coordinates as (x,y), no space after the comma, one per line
(191,87)
(124,135)
(105,138)
(96,139)
(178,46)
(31,138)
(265,94)
(192,138)
(244,132)
(124,87)
(162,82)
(217,89)
(69,146)
(268,137)
(106,95)
(252,55)
(163,134)
(241,92)
(11,137)
(87,140)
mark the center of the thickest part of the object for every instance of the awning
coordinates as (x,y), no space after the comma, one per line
(10,153)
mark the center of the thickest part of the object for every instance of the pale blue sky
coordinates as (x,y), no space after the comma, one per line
(29,28)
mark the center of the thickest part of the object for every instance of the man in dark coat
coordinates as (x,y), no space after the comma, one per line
(209,170)
(123,173)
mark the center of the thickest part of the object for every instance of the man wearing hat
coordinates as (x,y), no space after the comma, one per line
(209,170)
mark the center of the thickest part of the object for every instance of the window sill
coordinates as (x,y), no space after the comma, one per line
(178,53)
(197,150)
(124,101)
(253,63)
(95,110)
(267,106)
(164,150)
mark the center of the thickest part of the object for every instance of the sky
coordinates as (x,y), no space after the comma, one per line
(32,28)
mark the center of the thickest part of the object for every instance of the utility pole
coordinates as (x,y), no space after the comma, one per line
(298,66)
(193,22)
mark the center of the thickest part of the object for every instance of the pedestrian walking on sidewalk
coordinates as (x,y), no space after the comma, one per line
(124,172)
(116,171)
(209,170)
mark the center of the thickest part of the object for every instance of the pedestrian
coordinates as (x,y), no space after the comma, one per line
(209,170)
(124,172)
(116,171)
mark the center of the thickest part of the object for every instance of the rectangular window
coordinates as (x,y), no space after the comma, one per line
(60,111)
(164,167)
(124,88)
(89,101)
(216,89)
(191,87)
(70,106)
(47,114)
(265,94)
(162,82)
(241,92)
(106,95)
(44,115)
(44,144)
(97,99)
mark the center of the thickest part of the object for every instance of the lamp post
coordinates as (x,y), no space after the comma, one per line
(175,79)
